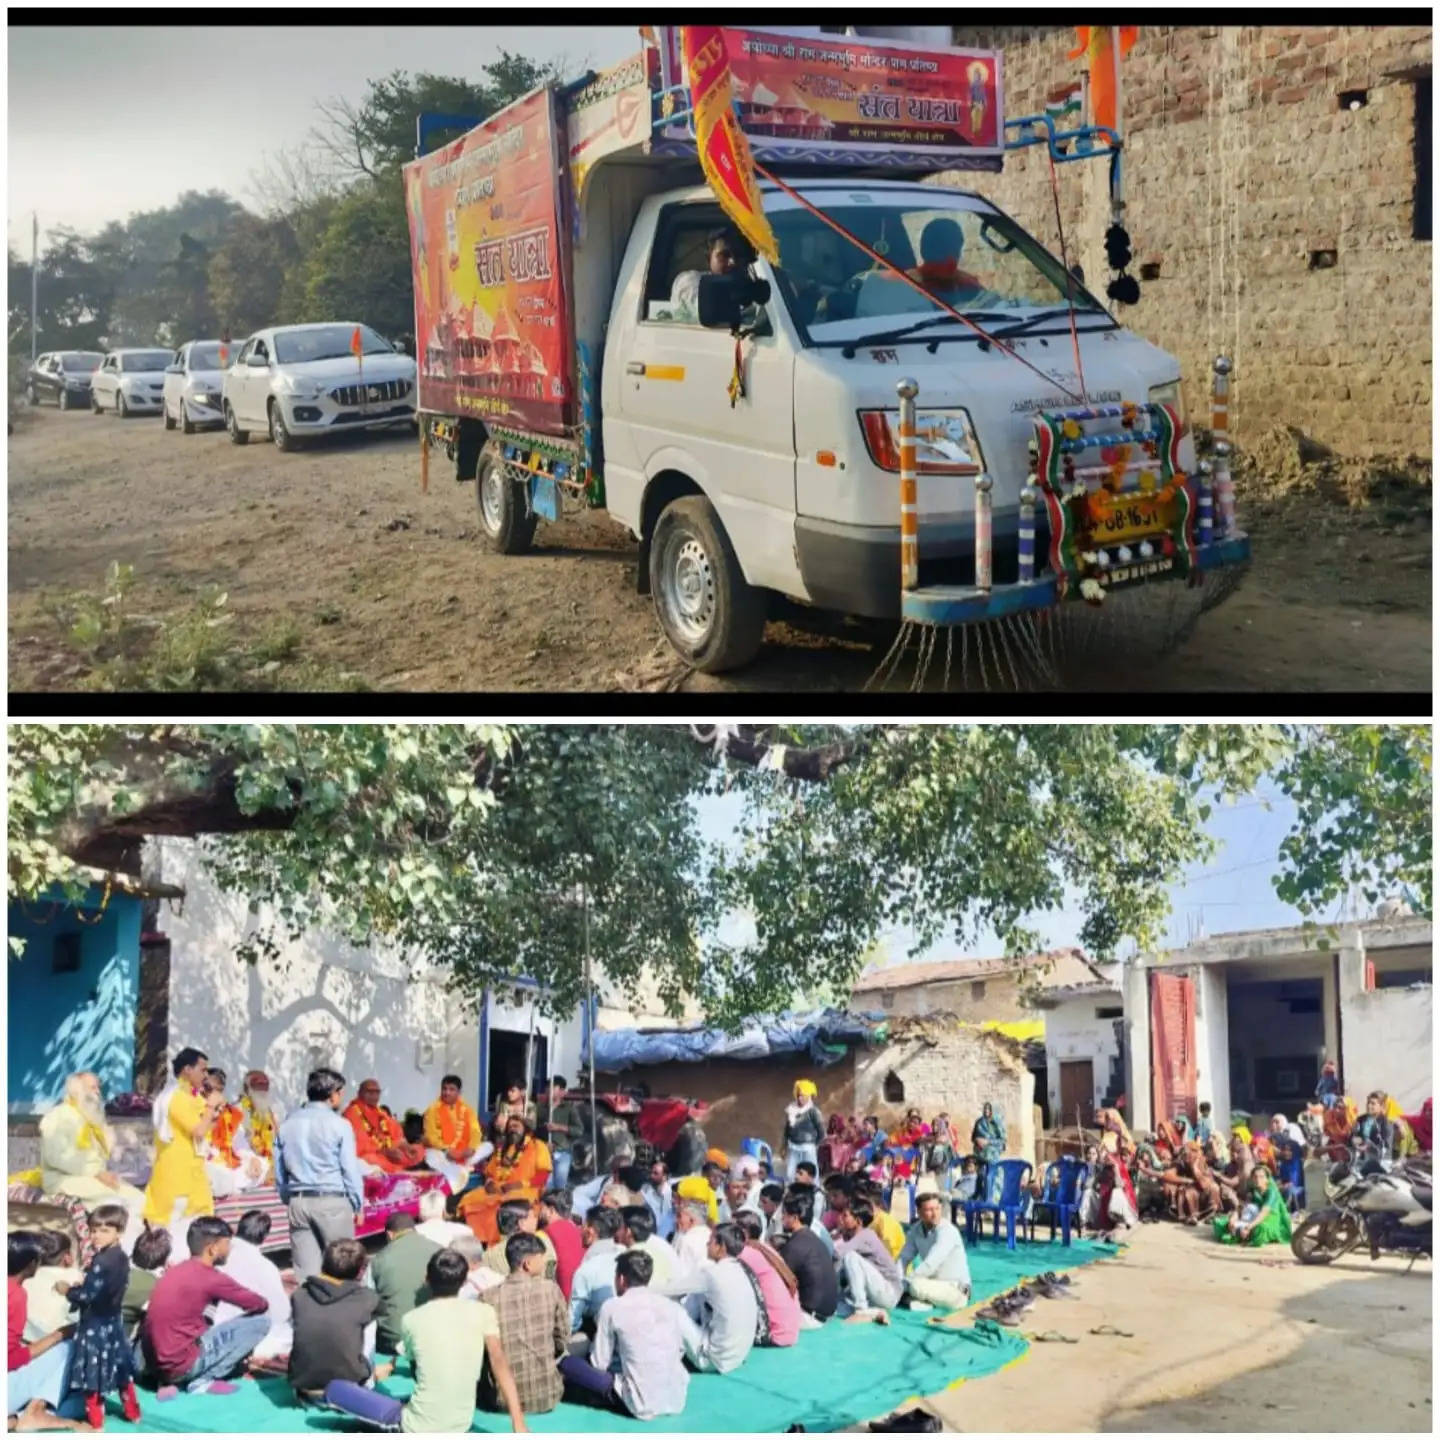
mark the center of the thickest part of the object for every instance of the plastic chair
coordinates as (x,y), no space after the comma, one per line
(1004,1195)
(1064,1183)
(757,1148)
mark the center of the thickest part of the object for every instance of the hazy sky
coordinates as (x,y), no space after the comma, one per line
(105,122)
(1231,891)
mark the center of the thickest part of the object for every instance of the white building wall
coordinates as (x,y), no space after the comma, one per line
(1072,1032)
(322,1002)
(1212,1042)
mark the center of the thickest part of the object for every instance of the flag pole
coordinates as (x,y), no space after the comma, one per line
(1117,196)
(34,282)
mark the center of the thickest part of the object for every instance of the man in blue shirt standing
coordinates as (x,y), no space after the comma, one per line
(318,1173)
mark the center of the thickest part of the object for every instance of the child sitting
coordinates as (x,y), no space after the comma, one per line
(147,1260)
(46,1308)
(969,1178)
(103,1359)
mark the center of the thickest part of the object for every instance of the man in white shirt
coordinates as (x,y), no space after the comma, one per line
(433,1224)
(594,1280)
(726,1308)
(249,1266)
(933,1260)
(691,1242)
(637,1232)
(641,1339)
(722,247)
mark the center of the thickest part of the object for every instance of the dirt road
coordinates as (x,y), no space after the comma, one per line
(395,589)
(1221,1341)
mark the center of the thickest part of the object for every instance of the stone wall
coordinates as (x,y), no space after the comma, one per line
(1240,167)
(953,1068)
(998,998)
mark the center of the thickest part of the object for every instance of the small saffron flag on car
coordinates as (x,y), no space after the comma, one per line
(357,347)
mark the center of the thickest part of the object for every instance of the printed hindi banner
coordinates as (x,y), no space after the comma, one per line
(491,317)
(836,93)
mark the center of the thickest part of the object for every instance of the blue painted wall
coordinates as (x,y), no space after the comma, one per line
(83,1020)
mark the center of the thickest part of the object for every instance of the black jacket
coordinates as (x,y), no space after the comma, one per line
(809,1261)
(329,1321)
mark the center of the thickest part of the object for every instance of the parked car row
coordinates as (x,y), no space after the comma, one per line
(291,381)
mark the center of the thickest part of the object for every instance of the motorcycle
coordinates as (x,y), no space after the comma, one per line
(622,1121)
(1383,1204)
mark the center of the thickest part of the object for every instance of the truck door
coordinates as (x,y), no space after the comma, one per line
(1172,1045)
(674,410)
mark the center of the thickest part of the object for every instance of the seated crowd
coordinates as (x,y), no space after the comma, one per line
(611,1295)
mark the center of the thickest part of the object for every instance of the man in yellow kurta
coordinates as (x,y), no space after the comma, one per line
(182,1117)
(75,1146)
(453,1137)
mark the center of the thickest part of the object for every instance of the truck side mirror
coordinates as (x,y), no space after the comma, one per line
(724,297)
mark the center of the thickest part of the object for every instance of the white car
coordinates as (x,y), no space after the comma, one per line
(195,383)
(300,380)
(130,382)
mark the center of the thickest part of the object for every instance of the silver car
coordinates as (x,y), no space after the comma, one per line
(195,382)
(130,382)
(295,381)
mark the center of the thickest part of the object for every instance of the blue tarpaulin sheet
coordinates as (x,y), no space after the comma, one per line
(824,1035)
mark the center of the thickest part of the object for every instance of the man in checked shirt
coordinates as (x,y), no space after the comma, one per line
(534,1328)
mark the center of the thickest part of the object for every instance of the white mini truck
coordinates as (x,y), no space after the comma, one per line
(562,358)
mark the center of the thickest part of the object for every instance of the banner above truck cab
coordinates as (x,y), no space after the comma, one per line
(492,325)
(840,101)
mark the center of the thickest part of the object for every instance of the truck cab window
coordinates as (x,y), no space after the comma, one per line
(681,254)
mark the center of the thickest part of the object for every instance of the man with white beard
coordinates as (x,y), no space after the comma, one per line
(262,1118)
(75,1146)
(230,1164)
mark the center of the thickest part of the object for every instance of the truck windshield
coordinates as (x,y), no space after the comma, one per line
(974,260)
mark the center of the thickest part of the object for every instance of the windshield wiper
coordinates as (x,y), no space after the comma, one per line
(884,337)
(1044,315)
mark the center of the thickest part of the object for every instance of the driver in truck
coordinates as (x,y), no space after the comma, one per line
(941,242)
(726,251)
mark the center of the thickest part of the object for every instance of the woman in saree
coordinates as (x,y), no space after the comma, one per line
(1234,1180)
(1168,1140)
(1340,1118)
(943,1152)
(1264,1219)
(1118,1208)
(1114,1133)
(1201,1199)
(987,1141)
(517,1170)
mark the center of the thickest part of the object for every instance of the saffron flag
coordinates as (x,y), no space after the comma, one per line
(1097,44)
(357,346)
(724,152)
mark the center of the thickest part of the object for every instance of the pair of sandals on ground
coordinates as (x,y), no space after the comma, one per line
(1007,1309)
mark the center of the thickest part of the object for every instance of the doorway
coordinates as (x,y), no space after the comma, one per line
(507,1063)
(1277,1038)
(1077,1091)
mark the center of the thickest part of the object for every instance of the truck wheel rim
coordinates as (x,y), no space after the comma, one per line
(688,583)
(492,504)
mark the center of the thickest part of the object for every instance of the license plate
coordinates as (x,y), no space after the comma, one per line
(1132,518)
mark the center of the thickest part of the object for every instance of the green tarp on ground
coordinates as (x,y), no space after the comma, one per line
(832,1378)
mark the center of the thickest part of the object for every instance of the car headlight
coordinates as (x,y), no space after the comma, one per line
(1169,394)
(299,389)
(945,441)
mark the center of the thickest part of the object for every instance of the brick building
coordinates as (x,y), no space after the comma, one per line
(1278,191)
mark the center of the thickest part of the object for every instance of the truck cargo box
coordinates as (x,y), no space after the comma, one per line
(492,313)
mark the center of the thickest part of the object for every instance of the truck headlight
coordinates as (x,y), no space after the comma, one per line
(1169,394)
(945,441)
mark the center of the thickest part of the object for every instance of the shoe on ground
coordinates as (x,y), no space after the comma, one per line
(1001,1314)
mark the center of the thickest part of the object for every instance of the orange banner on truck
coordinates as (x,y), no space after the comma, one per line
(492,326)
(834,92)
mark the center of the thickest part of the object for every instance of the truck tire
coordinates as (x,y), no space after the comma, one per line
(712,616)
(509,527)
